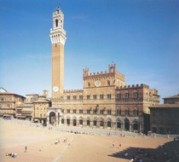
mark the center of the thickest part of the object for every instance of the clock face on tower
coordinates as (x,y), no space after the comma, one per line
(97,83)
(55,89)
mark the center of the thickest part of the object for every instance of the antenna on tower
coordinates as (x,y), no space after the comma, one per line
(59,5)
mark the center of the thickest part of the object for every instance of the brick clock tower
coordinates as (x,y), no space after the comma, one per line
(58,38)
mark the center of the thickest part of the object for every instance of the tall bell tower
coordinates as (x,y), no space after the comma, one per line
(58,38)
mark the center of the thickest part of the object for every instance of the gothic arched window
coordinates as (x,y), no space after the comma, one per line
(56,22)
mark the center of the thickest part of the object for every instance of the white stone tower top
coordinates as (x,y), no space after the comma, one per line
(57,33)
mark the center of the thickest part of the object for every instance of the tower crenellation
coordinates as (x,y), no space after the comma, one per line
(85,71)
(112,68)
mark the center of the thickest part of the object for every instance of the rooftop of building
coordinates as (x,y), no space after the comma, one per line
(165,106)
(42,99)
(5,92)
(175,96)
(32,94)
(2,90)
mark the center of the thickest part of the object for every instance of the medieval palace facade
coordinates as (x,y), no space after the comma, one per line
(106,101)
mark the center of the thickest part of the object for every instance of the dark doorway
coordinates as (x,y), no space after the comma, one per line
(102,123)
(94,123)
(62,121)
(109,123)
(135,125)
(146,123)
(68,121)
(81,121)
(88,122)
(126,124)
(118,124)
(52,118)
(74,122)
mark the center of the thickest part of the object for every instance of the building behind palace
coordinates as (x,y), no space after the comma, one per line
(164,118)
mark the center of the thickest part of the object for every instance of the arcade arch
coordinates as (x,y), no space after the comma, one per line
(88,121)
(81,121)
(126,124)
(118,123)
(62,121)
(52,118)
(74,121)
(95,122)
(68,120)
(109,123)
(101,122)
(135,125)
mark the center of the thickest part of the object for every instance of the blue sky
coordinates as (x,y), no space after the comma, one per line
(140,36)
